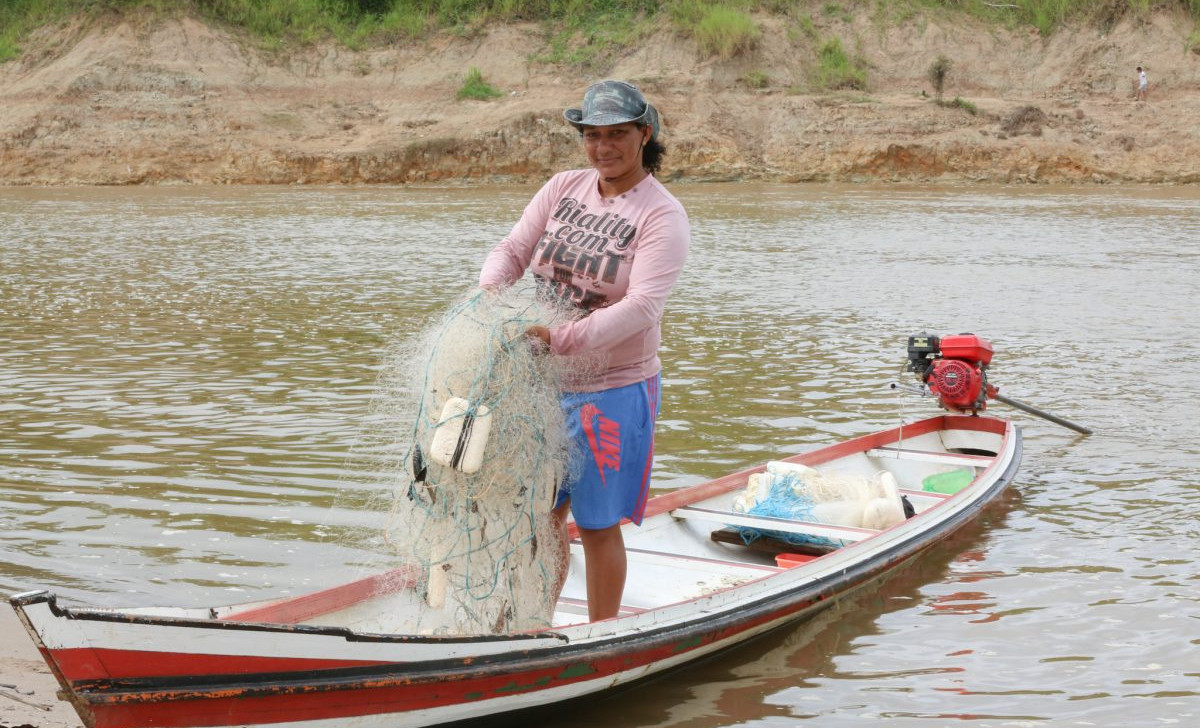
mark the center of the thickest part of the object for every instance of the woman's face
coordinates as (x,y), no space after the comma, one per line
(615,151)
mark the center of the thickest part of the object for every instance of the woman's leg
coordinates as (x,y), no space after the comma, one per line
(614,430)
(604,554)
(604,558)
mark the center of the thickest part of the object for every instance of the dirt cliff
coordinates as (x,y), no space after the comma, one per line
(179,101)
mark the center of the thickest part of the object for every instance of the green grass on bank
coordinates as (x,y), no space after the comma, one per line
(579,31)
(837,69)
(475,87)
(596,32)
(724,32)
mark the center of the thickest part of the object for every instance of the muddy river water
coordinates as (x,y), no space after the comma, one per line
(187,374)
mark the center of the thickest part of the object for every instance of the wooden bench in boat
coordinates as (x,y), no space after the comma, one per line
(931,456)
(716,574)
(570,605)
(719,567)
(770,544)
(779,525)
(922,499)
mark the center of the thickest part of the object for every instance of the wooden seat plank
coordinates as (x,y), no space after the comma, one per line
(781,525)
(930,456)
(699,563)
(770,544)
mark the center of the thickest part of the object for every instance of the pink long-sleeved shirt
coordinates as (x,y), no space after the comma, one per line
(616,258)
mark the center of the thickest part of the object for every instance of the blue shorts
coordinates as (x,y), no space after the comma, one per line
(612,433)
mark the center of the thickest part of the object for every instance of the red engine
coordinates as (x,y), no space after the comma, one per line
(954,368)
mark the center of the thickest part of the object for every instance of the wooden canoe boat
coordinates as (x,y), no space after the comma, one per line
(329,659)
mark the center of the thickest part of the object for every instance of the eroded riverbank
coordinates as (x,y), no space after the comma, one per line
(181,102)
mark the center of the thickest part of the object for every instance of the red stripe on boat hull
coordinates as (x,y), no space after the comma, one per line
(86,663)
(388,694)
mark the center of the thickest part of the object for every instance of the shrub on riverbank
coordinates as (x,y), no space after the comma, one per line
(474,87)
(961,103)
(938,72)
(725,32)
(836,69)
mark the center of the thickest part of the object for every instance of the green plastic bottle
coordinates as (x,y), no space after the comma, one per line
(950,482)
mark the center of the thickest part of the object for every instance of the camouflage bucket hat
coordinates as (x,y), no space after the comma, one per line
(606,103)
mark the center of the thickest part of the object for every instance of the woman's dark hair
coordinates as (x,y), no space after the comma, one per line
(652,155)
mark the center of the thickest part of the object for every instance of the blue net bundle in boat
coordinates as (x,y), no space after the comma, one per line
(775,494)
(798,493)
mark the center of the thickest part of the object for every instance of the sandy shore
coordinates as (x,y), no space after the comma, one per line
(27,687)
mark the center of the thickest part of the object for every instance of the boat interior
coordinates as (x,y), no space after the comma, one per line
(692,543)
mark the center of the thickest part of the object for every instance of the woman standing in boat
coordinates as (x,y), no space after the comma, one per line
(612,241)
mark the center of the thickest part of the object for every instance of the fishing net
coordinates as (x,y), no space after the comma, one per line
(797,492)
(481,460)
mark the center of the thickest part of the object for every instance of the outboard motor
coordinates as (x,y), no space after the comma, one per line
(954,368)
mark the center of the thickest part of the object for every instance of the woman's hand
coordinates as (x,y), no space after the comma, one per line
(541,333)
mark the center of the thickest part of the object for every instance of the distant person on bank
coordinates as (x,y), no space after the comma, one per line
(610,240)
(1141,84)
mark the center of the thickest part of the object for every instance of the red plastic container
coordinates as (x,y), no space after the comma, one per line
(967,347)
(787,561)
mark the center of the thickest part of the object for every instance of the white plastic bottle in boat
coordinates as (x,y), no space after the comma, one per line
(758,488)
(887,509)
